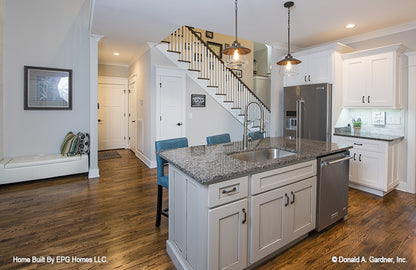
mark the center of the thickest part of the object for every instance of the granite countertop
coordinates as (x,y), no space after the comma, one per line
(211,164)
(368,135)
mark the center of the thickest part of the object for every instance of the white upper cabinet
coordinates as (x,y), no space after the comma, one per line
(371,78)
(317,65)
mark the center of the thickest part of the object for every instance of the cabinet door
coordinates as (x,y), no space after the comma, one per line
(320,68)
(267,223)
(381,81)
(355,80)
(228,236)
(371,170)
(299,78)
(302,208)
(354,166)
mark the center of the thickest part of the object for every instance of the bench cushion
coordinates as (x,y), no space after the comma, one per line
(38,160)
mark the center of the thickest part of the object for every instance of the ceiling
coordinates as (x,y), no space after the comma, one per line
(127,25)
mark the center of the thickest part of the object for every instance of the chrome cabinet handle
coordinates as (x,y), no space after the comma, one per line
(359,157)
(245,216)
(287,200)
(368,99)
(293,197)
(229,191)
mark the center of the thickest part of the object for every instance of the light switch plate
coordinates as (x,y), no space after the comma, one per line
(378,118)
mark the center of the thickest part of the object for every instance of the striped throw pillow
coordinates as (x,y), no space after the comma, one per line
(69,146)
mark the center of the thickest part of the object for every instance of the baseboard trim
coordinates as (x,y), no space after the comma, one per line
(149,163)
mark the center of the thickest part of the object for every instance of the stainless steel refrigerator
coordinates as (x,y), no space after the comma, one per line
(307,111)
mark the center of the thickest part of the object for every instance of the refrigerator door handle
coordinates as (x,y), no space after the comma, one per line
(299,117)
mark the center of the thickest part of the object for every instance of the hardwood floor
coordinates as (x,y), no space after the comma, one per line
(115,215)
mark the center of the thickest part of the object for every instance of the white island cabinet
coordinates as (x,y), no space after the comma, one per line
(235,223)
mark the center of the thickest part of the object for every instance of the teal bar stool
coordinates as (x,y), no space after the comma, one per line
(256,135)
(221,138)
(162,179)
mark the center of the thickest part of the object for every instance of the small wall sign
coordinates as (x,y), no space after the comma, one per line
(198,100)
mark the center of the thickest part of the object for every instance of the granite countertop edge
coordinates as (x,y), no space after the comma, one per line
(191,166)
(369,136)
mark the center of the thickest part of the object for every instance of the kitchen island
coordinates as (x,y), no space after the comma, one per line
(228,213)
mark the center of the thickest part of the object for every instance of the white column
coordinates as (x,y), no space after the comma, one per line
(94,171)
(276,92)
(411,124)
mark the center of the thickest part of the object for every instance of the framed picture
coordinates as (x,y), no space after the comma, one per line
(209,34)
(198,34)
(47,88)
(198,100)
(216,48)
(238,72)
(226,45)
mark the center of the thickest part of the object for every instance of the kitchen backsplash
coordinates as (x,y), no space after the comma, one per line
(393,121)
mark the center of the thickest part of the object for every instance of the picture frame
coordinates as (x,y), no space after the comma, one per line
(198,34)
(198,100)
(216,48)
(226,45)
(209,34)
(238,72)
(47,88)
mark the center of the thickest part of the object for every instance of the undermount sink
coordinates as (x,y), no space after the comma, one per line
(262,155)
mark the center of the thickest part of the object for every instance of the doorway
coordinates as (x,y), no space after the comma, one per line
(171,103)
(112,113)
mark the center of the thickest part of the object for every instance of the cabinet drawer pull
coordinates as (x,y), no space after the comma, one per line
(355,155)
(368,99)
(304,78)
(363,99)
(360,144)
(359,157)
(229,191)
(245,216)
(309,78)
(293,197)
(287,200)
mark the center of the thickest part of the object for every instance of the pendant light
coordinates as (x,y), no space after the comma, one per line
(235,51)
(288,64)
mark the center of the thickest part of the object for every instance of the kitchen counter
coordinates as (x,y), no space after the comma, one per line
(211,164)
(369,135)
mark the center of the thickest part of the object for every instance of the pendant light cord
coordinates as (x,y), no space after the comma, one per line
(288,31)
(236,40)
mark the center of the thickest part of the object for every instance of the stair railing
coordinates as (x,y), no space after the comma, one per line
(201,58)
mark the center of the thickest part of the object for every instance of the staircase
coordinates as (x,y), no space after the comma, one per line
(189,51)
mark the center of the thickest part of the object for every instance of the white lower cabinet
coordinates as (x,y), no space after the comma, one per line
(375,166)
(280,216)
(228,236)
(210,225)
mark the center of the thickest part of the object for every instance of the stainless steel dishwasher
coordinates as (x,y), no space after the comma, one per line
(332,192)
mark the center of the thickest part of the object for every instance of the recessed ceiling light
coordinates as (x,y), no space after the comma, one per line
(350,25)
(116,53)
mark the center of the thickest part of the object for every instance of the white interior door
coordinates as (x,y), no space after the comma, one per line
(172,107)
(111,116)
(132,115)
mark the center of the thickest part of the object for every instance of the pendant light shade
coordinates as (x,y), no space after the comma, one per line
(288,64)
(235,51)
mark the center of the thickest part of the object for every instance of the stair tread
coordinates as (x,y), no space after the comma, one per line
(220,94)
(236,108)
(185,61)
(203,78)
(165,41)
(228,101)
(190,69)
(173,51)
(212,86)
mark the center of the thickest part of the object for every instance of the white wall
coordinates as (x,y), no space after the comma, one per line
(113,70)
(1,75)
(44,33)
(276,95)
(210,120)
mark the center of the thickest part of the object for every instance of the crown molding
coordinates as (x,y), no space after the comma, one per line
(380,33)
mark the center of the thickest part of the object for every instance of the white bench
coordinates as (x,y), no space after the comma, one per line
(28,168)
